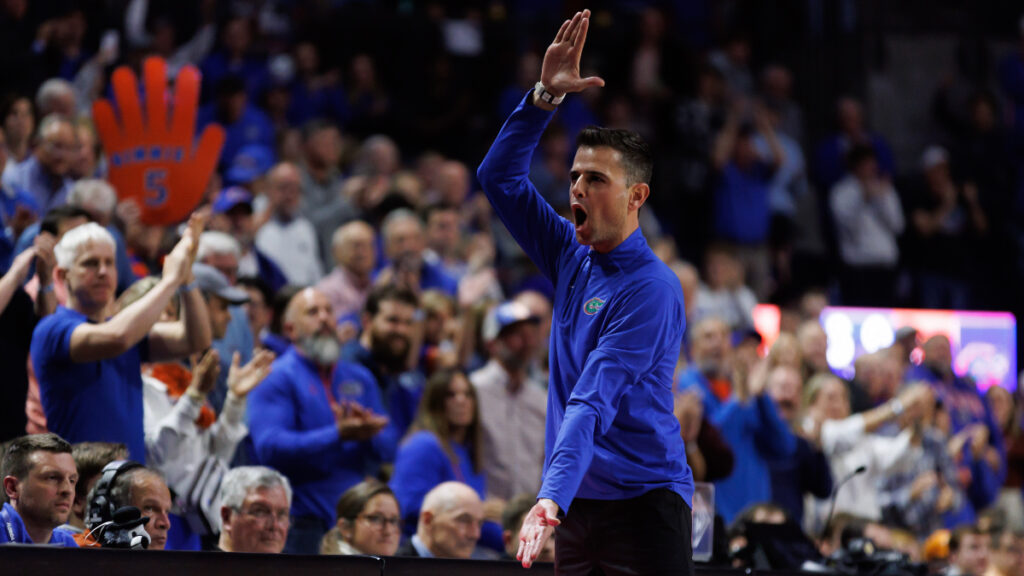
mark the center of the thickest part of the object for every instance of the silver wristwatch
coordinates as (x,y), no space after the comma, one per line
(543,94)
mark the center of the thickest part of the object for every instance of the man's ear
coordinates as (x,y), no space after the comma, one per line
(225,519)
(638,194)
(60,275)
(11,486)
(427,517)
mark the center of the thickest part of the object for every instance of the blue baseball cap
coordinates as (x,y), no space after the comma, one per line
(504,315)
(250,163)
(231,197)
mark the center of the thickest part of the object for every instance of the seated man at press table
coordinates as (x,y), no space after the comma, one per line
(39,477)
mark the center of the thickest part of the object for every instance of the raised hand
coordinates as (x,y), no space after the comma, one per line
(178,264)
(560,72)
(205,373)
(242,379)
(153,161)
(21,264)
(46,261)
(538,526)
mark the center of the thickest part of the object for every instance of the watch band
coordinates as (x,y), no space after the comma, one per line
(543,94)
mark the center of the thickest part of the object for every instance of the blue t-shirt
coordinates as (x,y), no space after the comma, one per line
(616,330)
(89,401)
(12,531)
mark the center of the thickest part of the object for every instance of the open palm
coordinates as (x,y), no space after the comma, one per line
(242,379)
(560,72)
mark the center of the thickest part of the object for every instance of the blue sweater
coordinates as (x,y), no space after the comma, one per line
(757,435)
(293,430)
(12,531)
(616,330)
(421,465)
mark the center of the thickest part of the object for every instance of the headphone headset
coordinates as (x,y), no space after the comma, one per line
(101,505)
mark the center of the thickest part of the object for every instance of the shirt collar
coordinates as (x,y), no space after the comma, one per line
(420,547)
(619,258)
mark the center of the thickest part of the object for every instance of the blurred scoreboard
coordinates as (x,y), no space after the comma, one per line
(984,343)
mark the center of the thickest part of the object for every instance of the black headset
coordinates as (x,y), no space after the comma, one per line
(101,505)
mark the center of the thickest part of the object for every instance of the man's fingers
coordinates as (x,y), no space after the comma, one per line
(561,32)
(579,23)
(581,36)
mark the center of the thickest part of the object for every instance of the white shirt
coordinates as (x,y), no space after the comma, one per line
(178,448)
(847,447)
(867,227)
(292,245)
(513,431)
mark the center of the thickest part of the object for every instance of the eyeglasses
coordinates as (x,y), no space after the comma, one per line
(265,514)
(380,521)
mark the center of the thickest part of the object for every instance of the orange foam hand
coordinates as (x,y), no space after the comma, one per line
(153,160)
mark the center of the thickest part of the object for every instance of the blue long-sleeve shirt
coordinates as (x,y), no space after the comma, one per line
(757,436)
(294,431)
(616,330)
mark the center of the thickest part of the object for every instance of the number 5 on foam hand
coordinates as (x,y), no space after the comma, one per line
(155,160)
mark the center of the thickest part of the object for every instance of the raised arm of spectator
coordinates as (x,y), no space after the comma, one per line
(46,300)
(95,342)
(15,276)
(192,333)
(725,142)
(766,130)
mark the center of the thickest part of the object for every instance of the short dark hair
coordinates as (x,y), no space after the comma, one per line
(259,285)
(435,207)
(354,500)
(90,458)
(387,293)
(16,457)
(279,304)
(636,153)
(53,218)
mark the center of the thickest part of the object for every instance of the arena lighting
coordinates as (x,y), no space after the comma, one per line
(984,343)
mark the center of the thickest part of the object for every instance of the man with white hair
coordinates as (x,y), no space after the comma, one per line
(44,175)
(88,362)
(223,252)
(255,504)
(318,420)
(449,523)
(56,96)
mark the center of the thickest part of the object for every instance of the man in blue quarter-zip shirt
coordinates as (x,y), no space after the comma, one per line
(616,482)
(317,420)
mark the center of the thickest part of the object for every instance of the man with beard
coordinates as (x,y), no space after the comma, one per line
(383,349)
(513,406)
(317,420)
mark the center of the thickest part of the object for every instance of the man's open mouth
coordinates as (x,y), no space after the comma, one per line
(579,215)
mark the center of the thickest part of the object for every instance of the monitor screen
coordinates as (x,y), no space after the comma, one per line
(984,343)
